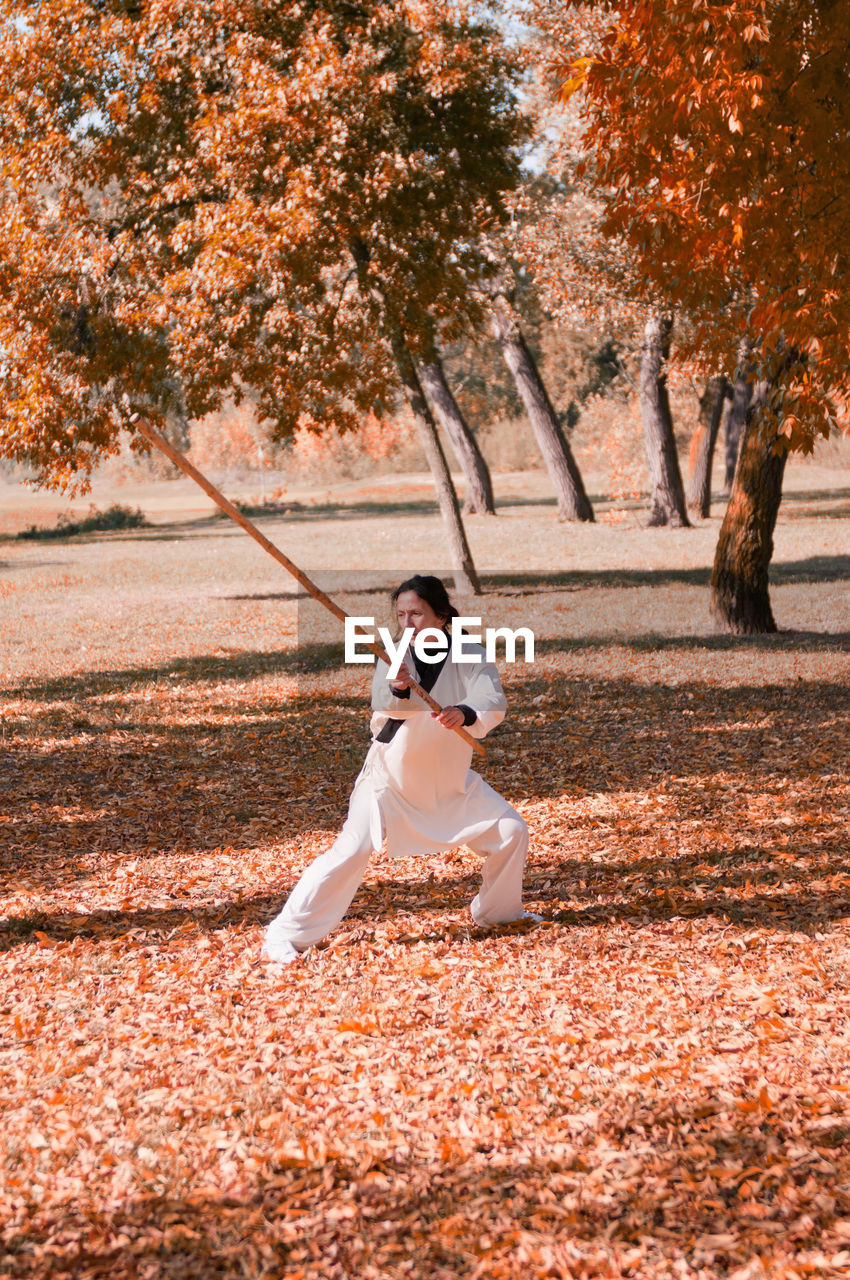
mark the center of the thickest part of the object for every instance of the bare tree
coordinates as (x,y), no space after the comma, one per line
(466,579)
(667,496)
(479,486)
(573,502)
(713,402)
(742,392)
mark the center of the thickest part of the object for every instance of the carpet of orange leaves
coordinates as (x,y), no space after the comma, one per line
(653,1082)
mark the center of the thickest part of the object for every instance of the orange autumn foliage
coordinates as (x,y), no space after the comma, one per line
(717,134)
(234,440)
(180,190)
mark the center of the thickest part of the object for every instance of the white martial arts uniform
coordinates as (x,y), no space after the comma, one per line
(419,792)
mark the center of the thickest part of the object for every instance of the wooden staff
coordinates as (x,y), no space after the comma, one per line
(179,460)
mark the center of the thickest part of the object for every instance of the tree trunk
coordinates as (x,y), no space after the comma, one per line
(742,394)
(711,406)
(573,503)
(739,580)
(668,496)
(479,487)
(466,579)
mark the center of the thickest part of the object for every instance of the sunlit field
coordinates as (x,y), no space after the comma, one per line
(652,1082)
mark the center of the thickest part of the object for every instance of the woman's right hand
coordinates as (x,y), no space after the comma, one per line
(403,679)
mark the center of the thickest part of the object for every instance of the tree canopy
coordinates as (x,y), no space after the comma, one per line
(718,134)
(181,186)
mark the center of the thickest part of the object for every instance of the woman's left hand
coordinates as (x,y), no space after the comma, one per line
(449,717)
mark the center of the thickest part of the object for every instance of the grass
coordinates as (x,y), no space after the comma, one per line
(114,517)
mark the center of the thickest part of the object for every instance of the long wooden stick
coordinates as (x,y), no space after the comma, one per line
(180,460)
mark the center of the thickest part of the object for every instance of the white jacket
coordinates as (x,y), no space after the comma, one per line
(427,797)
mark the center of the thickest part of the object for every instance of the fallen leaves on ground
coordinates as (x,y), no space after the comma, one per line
(651,1083)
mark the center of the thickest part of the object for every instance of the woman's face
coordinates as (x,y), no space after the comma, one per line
(413,611)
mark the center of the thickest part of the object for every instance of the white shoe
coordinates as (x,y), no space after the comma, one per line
(527,917)
(280,952)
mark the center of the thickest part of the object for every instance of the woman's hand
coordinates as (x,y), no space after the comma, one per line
(403,679)
(449,717)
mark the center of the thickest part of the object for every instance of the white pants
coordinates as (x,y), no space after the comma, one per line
(323,894)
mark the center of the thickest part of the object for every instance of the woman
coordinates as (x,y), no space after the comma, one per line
(416,787)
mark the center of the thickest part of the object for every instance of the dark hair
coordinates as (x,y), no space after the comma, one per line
(430,589)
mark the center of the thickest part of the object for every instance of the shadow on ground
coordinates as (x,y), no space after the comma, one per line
(240,665)
(606,1202)
(719,762)
(814,569)
(653,642)
(748,892)
(753,887)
